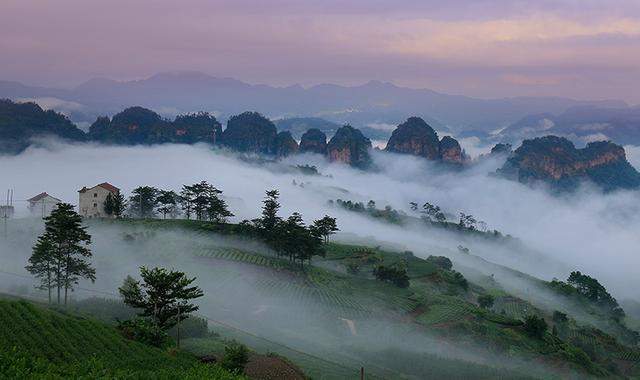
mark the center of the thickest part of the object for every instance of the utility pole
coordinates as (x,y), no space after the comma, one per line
(7,210)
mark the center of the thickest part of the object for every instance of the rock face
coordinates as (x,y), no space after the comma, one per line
(285,144)
(250,132)
(451,152)
(556,161)
(313,141)
(415,137)
(501,148)
(349,146)
(137,125)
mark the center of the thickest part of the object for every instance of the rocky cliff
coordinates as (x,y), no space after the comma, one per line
(450,151)
(285,144)
(349,146)
(501,149)
(556,161)
(250,132)
(417,138)
(414,137)
(137,125)
(313,141)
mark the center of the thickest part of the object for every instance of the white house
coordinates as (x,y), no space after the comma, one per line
(42,204)
(91,200)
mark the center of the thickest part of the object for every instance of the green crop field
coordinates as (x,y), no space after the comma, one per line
(35,341)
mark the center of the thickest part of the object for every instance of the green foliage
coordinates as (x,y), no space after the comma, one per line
(235,357)
(395,275)
(535,326)
(144,331)
(36,342)
(163,297)
(205,202)
(325,227)
(137,125)
(559,317)
(167,202)
(143,202)
(60,256)
(114,205)
(485,301)
(441,262)
(20,122)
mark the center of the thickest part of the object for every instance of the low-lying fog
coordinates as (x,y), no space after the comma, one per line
(588,231)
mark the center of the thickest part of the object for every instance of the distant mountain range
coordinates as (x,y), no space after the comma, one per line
(553,160)
(371,103)
(580,124)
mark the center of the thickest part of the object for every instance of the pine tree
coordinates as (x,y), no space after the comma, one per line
(66,241)
(270,209)
(119,204)
(167,200)
(109,204)
(143,201)
(42,264)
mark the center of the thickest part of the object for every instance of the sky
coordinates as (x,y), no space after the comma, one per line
(584,49)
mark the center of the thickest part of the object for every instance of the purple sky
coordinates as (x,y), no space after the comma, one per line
(579,48)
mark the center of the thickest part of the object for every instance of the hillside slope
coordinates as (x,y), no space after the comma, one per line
(36,341)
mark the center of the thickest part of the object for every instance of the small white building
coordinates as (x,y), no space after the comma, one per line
(91,200)
(42,204)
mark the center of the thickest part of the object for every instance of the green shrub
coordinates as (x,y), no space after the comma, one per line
(535,326)
(144,331)
(235,357)
(485,301)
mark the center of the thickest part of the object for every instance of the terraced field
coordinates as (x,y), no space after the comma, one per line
(445,311)
(36,340)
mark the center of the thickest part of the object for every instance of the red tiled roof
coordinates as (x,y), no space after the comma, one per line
(110,187)
(104,185)
(40,196)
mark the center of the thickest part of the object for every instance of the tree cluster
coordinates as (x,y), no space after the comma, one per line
(290,237)
(60,256)
(590,289)
(394,274)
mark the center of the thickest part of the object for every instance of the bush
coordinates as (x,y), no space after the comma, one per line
(396,276)
(485,301)
(535,326)
(235,357)
(441,262)
(144,331)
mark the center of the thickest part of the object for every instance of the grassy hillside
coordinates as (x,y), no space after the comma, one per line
(37,342)
(438,303)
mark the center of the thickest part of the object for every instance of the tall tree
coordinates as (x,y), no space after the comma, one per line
(326,227)
(167,202)
(67,241)
(119,205)
(109,204)
(205,201)
(270,209)
(164,296)
(42,264)
(143,201)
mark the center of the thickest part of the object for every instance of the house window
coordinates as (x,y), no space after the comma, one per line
(95,205)
(95,195)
